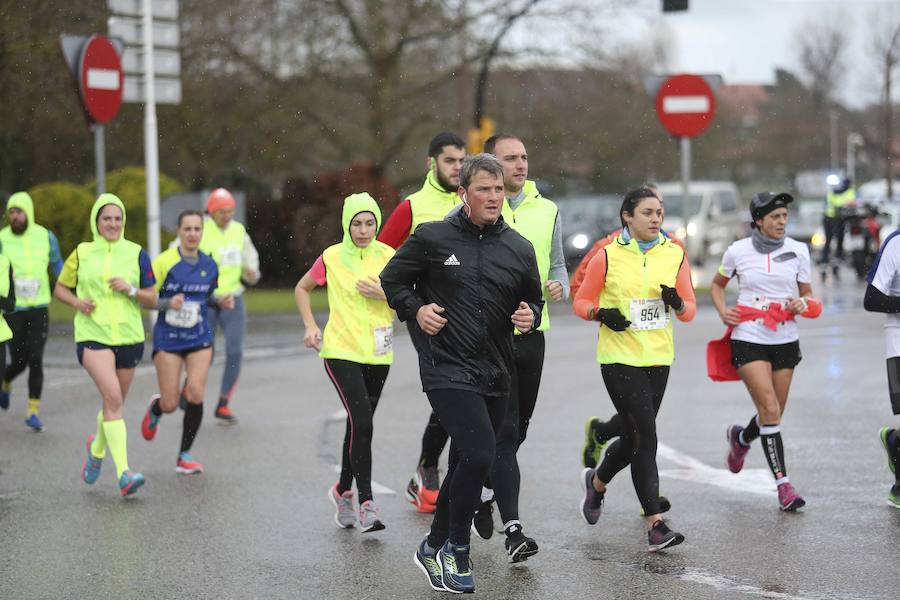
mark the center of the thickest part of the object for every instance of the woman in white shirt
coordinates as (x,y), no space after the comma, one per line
(773,273)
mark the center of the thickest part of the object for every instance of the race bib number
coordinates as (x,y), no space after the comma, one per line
(763,303)
(384,340)
(187,317)
(27,288)
(648,313)
(230,256)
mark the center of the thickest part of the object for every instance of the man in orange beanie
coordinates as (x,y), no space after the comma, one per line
(229,244)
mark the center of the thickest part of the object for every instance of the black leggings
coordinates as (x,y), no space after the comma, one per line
(359,388)
(505,476)
(637,393)
(26,349)
(472,421)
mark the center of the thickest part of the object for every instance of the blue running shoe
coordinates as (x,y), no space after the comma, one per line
(4,399)
(456,568)
(90,470)
(130,482)
(35,423)
(426,559)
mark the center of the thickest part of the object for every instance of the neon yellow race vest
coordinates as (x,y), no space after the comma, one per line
(359,329)
(535,218)
(431,203)
(29,254)
(227,249)
(632,285)
(5,331)
(116,320)
(837,200)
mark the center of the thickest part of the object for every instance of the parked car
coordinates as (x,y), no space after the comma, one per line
(709,221)
(586,219)
(805,221)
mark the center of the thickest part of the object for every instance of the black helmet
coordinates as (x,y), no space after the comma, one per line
(765,202)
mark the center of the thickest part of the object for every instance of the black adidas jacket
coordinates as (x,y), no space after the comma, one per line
(479,277)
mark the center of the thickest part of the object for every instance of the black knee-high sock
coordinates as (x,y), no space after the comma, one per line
(751,431)
(193,416)
(774,450)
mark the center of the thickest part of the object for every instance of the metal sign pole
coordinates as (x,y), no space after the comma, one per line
(100,158)
(685,180)
(151,143)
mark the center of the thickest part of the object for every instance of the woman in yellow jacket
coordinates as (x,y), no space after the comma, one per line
(357,346)
(631,287)
(107,280)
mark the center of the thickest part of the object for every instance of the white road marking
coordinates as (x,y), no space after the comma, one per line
(755,481)
(724,584)
(376,487)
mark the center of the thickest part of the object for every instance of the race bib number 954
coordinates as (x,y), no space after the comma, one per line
(648,313)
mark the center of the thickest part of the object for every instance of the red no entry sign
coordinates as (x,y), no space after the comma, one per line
(100,79)
(685,105)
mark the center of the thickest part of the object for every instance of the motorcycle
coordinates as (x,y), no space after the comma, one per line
(862,237)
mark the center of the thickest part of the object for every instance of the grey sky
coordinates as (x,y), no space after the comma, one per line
(746,40)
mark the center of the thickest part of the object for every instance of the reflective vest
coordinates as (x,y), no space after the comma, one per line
(29,254)
(632,285)
(227,249)
(836,201)
(535,218)
(5,331)
(431,203)
(116,320)
(359,329)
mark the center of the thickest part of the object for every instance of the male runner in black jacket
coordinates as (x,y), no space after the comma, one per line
(467,280)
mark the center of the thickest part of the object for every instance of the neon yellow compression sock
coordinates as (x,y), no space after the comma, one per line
(98,448)
(34,406)
(117,441)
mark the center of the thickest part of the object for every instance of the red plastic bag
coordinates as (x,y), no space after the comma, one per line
(718,359)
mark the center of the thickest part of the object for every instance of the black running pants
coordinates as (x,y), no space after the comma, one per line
(526,379)
(472,421)
(636,392)
(359,388)
(26,348)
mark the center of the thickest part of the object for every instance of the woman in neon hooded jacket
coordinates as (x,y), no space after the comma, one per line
(107,280)
(357,346)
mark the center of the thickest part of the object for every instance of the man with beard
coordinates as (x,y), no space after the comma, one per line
(33,252)
(431,203)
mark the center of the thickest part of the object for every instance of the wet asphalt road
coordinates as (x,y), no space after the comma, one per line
(258,524)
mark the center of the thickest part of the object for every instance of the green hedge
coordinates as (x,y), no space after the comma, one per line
(63,208)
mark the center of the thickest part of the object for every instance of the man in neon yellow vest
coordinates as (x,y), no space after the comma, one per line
(437,197)
(33,252)
(838,197)
(537,219)
(229,244)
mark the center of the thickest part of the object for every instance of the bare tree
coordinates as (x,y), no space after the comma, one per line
(821,52)
(885,47)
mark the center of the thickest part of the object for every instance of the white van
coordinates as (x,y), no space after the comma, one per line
(715,216)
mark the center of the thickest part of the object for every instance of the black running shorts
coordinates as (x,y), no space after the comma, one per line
(782,356)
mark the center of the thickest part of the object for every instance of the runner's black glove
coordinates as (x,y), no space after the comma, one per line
(612,318)
(671,298)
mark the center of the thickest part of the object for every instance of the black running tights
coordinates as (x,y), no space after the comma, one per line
(26,349)
(636,392)
(526,379)
(472,421)
(359,388)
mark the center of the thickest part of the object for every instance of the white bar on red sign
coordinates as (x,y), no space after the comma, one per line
(103,79)
(685,104)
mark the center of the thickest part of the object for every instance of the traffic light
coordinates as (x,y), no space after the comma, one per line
(675,5)
(478,136)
